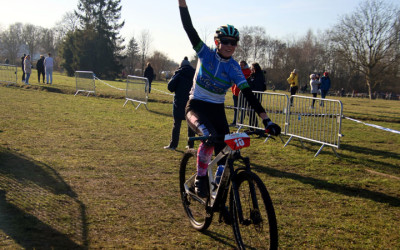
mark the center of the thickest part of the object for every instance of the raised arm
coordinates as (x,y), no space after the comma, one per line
(187,23)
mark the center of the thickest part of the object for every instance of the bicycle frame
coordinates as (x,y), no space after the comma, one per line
(217,196)
(214,190)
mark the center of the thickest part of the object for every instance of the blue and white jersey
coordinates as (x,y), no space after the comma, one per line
(215,76)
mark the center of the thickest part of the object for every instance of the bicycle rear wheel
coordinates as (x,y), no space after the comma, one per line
(258,229)
(195,208)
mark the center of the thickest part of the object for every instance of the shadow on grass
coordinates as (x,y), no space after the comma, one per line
(38,209)
(160,113)
(356,149)
(335,188)
(221,238)
(370,151)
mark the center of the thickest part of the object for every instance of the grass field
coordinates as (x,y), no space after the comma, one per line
(84,172)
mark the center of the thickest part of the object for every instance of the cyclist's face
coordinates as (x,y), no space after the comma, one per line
(226,49)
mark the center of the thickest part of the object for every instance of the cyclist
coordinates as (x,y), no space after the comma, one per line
(216,72)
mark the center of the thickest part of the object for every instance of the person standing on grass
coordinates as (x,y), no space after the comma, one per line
(293,80)
(256,81)
(181,83)
(23,67)
(48,65)
(27,68)
(149,74)
(40,68)
(314,84)
(215,73)
(325,86)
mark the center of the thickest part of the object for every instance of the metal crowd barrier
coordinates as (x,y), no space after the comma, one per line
(275,105)
(137,90)
(85,82)
(8,74)
(319,122)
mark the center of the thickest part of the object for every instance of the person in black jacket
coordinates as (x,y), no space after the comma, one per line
(181,83)
(40,68)
(256,81)
(149,74)
(23,70)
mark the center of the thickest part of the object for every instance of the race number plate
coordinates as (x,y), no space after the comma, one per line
(237,140)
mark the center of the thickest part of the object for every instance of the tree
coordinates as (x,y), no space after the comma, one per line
(69,22)
(160,62)
(96,45)
(48,41)
(145,41)
(31,37)
(366,40)
(244,49)
(132,58)
(67,51)
(12,42)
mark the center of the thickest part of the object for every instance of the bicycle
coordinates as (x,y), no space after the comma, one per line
(251,212)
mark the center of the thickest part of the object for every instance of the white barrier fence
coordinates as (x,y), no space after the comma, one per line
(85,82)
(8,74)
(275,105)
(137,90)
(313,119)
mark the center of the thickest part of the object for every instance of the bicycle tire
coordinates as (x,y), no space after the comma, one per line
(199,215)
(253,232)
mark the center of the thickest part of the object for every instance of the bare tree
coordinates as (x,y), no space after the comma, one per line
(366,39)
(12,41)
(244,49)
(206,35)
(144,42)
(69,22)
(160,62)
(48,41)
(31,37)
(253,44)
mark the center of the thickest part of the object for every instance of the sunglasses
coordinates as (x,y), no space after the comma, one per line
(228,41)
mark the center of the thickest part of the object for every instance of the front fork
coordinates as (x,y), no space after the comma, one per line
(235,189)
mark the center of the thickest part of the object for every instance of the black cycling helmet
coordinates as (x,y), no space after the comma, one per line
(227,31)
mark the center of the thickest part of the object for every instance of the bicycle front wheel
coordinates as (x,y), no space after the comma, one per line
(195,208)
(253,215)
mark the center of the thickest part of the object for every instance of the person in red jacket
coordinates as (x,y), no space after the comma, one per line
(235,90)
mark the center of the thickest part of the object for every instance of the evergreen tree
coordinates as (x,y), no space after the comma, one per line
(132,55)
(96,45)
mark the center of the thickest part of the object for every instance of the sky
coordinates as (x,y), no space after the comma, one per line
(285,19)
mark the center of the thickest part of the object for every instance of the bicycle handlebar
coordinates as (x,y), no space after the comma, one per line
(259,132)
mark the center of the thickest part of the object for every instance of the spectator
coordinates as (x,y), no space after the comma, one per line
(27,68)
(293,80)
(257,78)
(180,83)
(40,68)
(314,85)
(6,61)
(257,83)
(235,90)
(325,86)
(23,67)
(149,74)
(48,65)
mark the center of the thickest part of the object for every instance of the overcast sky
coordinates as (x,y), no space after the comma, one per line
(283,19)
